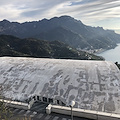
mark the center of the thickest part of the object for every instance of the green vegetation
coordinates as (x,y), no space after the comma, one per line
(118,65)
(5,113)
(13,46)
(65,29)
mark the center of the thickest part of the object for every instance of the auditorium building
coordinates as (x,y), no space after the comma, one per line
(93,85)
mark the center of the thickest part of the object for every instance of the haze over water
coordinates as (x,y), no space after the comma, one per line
(112,54)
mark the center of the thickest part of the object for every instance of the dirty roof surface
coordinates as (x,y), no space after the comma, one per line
(93,85)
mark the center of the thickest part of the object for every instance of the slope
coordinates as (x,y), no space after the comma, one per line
(29,47)
(65,29)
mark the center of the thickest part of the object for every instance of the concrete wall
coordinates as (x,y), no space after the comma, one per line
(15,104)
(82,113)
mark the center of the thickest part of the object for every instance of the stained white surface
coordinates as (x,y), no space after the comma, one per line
(92,85)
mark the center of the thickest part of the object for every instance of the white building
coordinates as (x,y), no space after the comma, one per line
(93,85)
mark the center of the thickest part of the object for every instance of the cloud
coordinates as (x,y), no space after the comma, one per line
(8,11)
(91,12)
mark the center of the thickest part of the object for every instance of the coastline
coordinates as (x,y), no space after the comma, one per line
(110,54)
(99,51)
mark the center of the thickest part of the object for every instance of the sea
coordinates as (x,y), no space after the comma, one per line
(112,54)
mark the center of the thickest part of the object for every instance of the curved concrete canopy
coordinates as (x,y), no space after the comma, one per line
(93,85)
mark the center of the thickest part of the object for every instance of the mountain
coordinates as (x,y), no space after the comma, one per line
(65,29)
(13,46)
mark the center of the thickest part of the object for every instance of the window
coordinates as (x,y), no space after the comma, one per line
(38,98)
(50,100)
(44,99)
(63,104)
(58,102)
(34,97)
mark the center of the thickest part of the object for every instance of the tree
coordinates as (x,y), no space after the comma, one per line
(5,113)
(118,65)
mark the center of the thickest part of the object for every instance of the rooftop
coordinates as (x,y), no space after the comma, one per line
(93,85)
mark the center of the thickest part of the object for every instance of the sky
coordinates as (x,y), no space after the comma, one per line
(103,13)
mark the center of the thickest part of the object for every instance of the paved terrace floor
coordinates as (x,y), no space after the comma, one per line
(37,112)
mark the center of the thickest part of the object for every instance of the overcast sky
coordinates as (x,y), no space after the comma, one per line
(103,13)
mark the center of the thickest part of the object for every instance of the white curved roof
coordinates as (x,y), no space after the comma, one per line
(91,84)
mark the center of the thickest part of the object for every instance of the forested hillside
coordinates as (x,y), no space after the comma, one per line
(29,47)
(65,29)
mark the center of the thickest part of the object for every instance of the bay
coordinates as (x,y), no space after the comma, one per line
(112,54)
